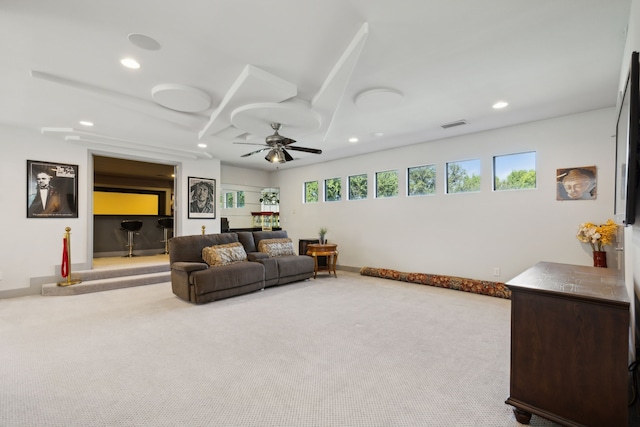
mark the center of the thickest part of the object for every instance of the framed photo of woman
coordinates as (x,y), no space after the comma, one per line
(202,198)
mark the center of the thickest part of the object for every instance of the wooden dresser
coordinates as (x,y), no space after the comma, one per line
(569,345)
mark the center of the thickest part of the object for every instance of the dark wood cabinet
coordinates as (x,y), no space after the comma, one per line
(569,345)
(302,250)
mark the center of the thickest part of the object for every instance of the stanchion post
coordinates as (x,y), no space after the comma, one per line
(203,227)
(67,259)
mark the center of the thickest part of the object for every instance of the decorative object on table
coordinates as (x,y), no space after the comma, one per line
(270,198)
(202,196)
(321,235)
(598,236)
(576,183)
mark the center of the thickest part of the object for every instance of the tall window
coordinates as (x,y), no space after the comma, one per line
(240,199)
(358,187)
(332,190)
(514,171)
(463,177)
(311,192)
(421,180)
(386,184)
(228,200)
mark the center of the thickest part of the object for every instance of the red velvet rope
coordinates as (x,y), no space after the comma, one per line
(64,268)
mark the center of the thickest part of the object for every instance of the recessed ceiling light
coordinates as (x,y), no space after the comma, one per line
(143,41)
(86,123)
(353,139)
(201,145)
(500,104)
(130,63)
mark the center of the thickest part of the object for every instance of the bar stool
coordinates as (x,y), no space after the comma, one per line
(131,227)
(166,224)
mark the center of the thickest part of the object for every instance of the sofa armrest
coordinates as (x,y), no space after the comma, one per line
(188,267)
(255,256)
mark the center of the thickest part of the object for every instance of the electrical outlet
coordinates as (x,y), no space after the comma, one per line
(496,271)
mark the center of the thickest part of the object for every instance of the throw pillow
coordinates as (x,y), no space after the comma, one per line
(229,253)
(276,247)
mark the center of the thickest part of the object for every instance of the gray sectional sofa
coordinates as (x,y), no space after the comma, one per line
(194,280)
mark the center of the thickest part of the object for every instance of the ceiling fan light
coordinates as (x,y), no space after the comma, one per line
(272,156)
(280,157)
(276,156)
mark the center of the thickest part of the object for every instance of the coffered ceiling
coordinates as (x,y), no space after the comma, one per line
(216,73)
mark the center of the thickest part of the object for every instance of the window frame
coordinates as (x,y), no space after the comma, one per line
(397,189)
(432,166)
(304,192)
(446,174)
(494,170)
(326,192)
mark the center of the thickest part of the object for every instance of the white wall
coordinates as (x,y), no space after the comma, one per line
(465,235)
(252,182)
(241,176)
(31,249)
(199,169)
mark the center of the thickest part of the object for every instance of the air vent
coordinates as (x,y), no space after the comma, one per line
(454,124)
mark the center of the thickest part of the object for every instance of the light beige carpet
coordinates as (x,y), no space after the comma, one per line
(351,351)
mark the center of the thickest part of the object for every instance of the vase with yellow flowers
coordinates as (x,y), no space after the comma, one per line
(598,236)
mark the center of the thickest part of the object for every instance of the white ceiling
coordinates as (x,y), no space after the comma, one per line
(243,64)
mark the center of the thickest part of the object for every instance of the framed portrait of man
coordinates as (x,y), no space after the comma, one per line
(202,198)
(578,183)
(52,190)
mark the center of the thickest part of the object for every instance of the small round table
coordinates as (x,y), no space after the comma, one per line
(330,251)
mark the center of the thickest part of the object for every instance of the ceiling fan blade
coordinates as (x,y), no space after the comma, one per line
(287,141)
(251,143)
(255,152)
(287,156)
(305,149)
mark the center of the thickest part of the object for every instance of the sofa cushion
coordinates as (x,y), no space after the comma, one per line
(189,248)
(295,265)
(246,238)
(276,247)
(227,277)
(219,255)
(261,235)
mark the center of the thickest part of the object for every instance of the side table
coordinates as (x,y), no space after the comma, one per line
(328,250)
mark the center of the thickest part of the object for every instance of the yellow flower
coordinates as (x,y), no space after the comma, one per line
(597,235)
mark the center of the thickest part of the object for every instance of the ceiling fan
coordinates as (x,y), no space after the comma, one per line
(276,144)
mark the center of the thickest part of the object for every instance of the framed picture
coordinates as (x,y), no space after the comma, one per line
(52,190)
(202,197)
(578,183)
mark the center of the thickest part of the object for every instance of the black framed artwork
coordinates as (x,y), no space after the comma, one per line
(52,190)
(202,197)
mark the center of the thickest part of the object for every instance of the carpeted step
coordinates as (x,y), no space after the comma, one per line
(106,284)
(107,273)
